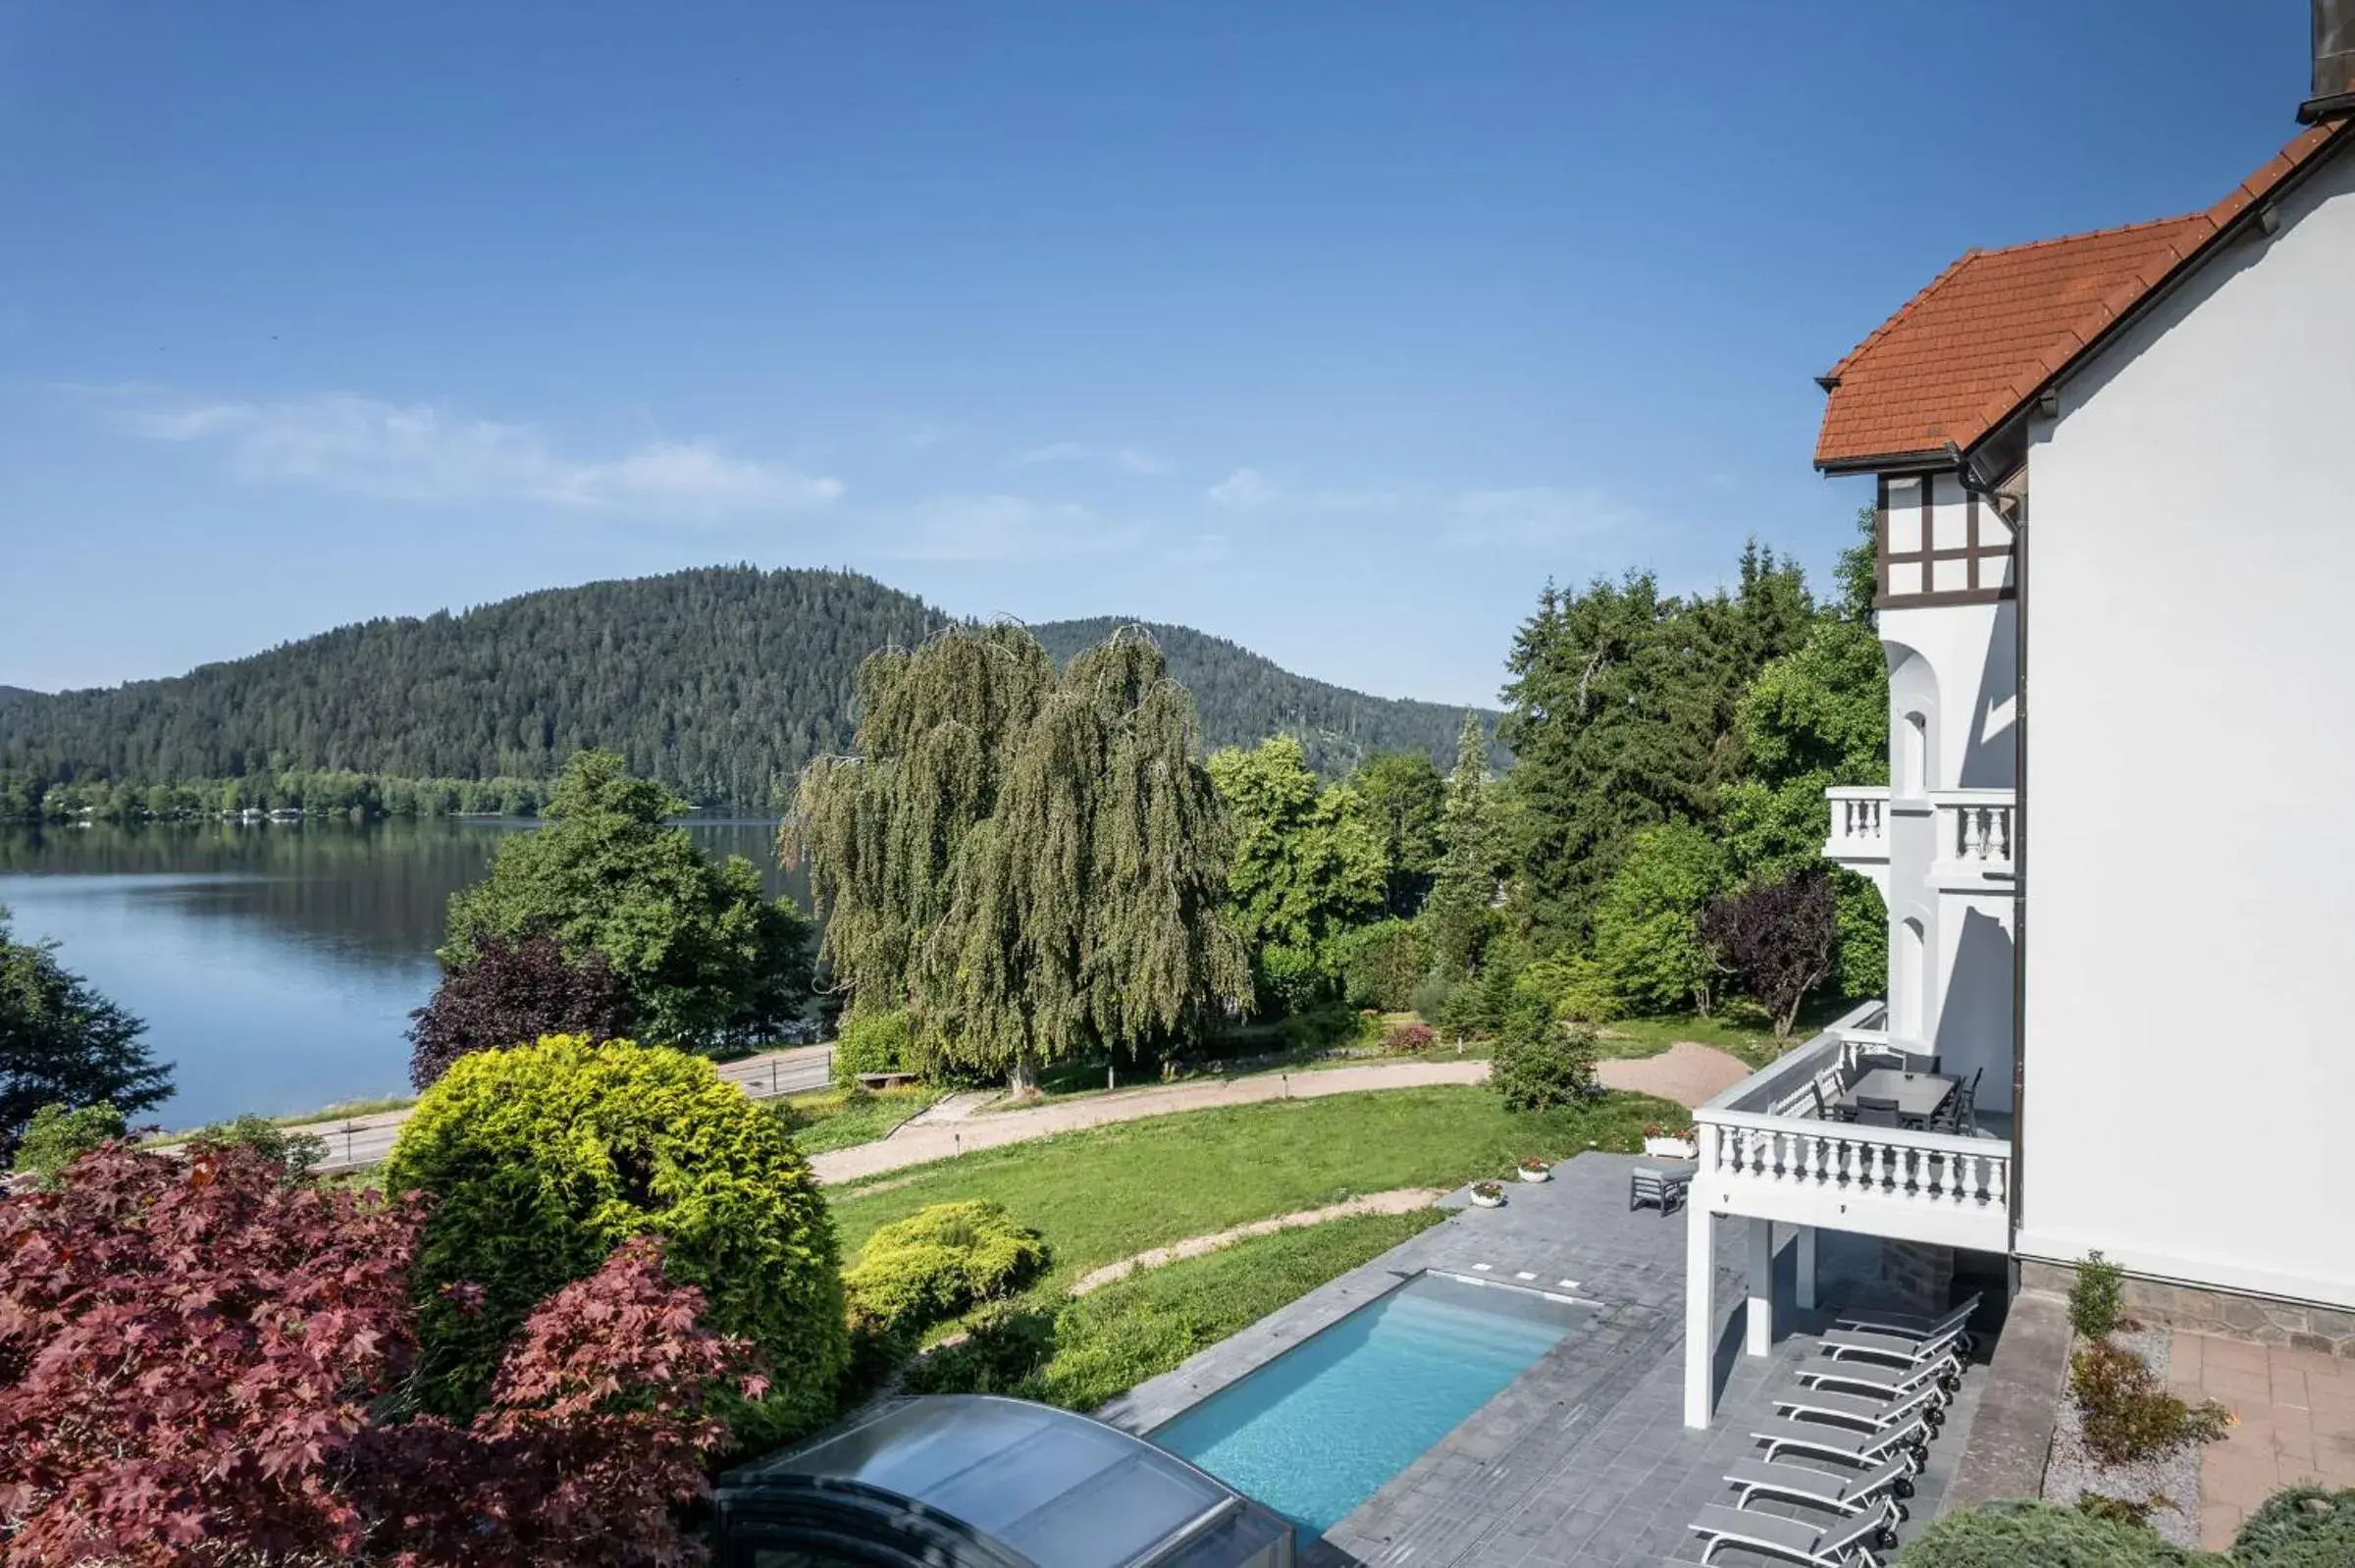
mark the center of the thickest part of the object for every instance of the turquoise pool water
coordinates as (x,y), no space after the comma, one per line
(1318,1430)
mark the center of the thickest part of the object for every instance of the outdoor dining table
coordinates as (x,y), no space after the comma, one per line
(1919,1096)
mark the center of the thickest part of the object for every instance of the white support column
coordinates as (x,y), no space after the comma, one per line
(1759,1336)
(1701,1311)
(1805,1257)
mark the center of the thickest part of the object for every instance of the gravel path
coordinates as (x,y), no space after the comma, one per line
(2073,1472)
(1401,1201)
(1685,1072)
(923,1140)
(1688,1073)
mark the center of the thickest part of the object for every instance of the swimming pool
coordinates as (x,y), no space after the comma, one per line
(1318,1430)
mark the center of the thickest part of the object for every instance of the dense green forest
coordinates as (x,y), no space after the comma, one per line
(1241,699)
(719,682)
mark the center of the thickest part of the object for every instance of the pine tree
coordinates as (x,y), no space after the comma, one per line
(1463,893)
(1030,860)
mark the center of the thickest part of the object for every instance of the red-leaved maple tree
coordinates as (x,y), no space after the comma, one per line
(203,1362)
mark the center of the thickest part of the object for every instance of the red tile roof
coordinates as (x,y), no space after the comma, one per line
(1990,330)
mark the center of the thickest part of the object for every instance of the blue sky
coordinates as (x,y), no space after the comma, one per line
(1336,328)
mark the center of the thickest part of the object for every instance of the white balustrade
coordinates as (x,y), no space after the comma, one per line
(1860,823)
(1975,829)
(1765,1153)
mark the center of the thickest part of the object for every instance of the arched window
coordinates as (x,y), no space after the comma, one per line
(1912,756)
(1912,979)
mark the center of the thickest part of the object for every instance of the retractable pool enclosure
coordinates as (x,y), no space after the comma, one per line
(970,1481)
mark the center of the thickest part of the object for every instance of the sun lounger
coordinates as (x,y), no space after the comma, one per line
(1827,1441)
(1881,1379)
(1912,1326)
(1864,1410)
(1848,1494)
(1845,1544)
(1846,1344)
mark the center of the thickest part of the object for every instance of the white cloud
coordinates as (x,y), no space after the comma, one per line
(1133,459)
(1534,515)
(1246,487)
(1009,528)
(424,453)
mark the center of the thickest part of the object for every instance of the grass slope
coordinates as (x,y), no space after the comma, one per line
(1104,1345)
(837,1119)
(1108,1193)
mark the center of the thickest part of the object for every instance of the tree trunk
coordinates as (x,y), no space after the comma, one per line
(1021,1079)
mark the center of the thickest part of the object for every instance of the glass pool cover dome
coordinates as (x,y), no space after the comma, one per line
(971,1479)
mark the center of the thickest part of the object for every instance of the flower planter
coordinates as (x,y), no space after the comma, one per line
(1488,1200)
(1541,1174)
(1670,1148)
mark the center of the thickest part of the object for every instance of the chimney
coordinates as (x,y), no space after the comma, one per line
(2333,63)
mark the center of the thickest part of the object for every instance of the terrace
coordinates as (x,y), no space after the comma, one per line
(1774,1149)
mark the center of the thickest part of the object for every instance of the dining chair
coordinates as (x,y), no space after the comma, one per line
(1967,1104)
(1874,1112)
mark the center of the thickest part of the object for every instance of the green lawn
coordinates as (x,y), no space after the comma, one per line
(1108,1193)
(836,1118)
(1739,1030)
(1080,1353)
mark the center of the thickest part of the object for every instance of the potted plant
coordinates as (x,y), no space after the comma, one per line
(1488,1194)
(1670,1143)
(1534,1169)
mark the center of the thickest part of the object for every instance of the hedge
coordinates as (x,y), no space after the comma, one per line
(2014,1535)
(2301,1527)
(541,1159)
(874,1042)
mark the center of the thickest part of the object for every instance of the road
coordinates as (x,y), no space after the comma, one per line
(1688,1074)
(368,1139)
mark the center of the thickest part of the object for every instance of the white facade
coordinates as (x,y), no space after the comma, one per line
(2191,778)
(1952,701)
(2187,1099)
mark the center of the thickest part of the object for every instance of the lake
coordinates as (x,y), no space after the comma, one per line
(275,963)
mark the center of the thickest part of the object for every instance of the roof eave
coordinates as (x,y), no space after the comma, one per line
(2338,105)
(2238,224)
(1940,458)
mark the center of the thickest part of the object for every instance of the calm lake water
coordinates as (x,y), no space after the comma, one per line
(276,964)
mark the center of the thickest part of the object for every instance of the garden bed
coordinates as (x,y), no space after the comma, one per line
(2073,1472)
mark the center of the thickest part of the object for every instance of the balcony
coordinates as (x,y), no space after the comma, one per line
(1860,837)
(1767,1151)
(1972,833)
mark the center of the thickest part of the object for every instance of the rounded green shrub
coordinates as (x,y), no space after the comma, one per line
(539,1161)
(872,1042)
(938,1261)
(2015,1534)
(1541,1064)
(2300,1527)
(59,1135)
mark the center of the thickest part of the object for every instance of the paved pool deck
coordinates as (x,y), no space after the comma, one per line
(1585,1458)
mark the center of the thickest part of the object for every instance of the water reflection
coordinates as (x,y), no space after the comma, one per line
(276,964)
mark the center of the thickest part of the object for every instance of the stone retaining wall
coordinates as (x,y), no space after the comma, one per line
(2257,1319)
(1921,1276)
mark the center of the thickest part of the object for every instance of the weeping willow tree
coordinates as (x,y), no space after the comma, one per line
(1030,860)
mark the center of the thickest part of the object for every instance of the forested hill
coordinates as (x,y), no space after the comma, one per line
(1243,697)
(721,682)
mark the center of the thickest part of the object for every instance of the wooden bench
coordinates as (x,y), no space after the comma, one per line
(885,1080)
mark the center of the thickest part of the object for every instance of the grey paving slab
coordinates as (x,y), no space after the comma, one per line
(1585,1460)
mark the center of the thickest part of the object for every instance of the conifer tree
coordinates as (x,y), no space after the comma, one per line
(1464,891)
